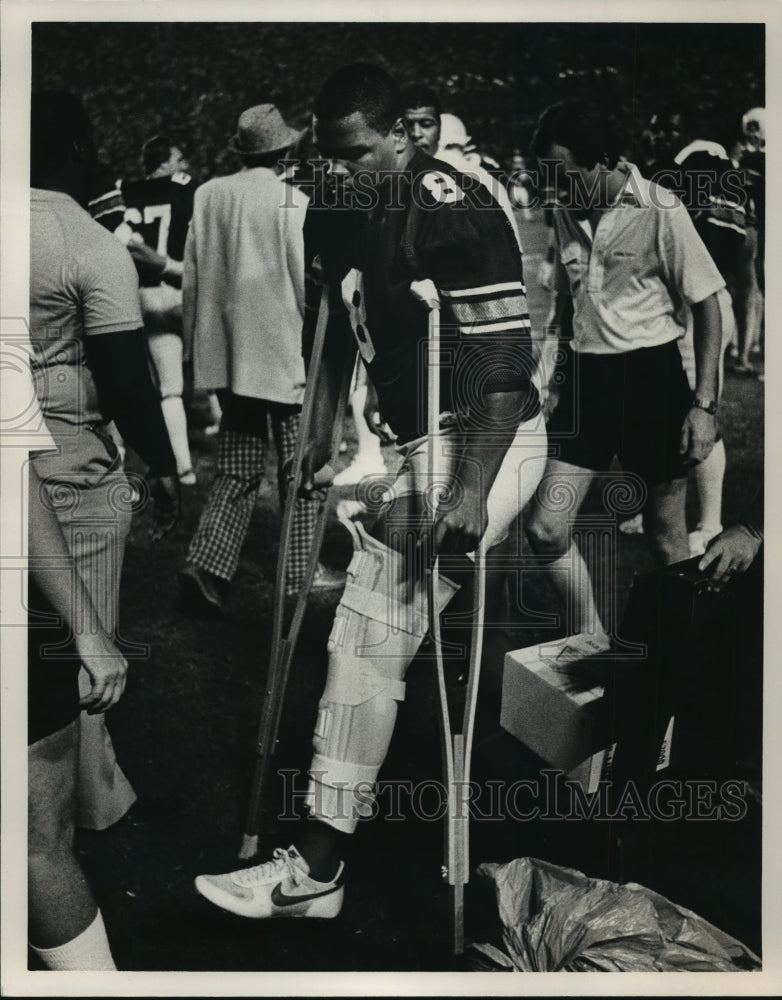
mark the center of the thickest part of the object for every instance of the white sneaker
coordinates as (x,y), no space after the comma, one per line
(359,468)
(281,887)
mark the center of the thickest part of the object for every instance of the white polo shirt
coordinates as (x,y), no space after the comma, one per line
(631,278)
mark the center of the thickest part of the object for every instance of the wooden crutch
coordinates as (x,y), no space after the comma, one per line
(456,746)
(284,643)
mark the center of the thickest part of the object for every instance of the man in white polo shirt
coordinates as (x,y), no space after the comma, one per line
(632,258)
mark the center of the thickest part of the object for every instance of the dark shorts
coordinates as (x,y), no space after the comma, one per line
(52,680)
(627,406)
(247,415)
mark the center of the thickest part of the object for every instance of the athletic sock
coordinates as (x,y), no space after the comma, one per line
(87,952)
(176,424)
(322,847)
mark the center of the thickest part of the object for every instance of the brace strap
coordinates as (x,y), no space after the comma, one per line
(356,680)
(341,773)
(385,609)
(368,548)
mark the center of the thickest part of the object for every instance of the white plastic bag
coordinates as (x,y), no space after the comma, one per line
(557,919)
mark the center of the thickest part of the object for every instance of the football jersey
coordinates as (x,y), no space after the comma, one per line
(434,222)
(104,199)
(711,190)
(160,209)
(753,165)
(331,229)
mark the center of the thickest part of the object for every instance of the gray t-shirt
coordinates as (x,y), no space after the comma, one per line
(82,284)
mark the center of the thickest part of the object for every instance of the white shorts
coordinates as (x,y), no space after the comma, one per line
(520,472)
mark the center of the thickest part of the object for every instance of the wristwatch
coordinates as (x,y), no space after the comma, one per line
(709,405)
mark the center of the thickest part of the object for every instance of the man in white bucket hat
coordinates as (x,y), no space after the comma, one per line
(243,307)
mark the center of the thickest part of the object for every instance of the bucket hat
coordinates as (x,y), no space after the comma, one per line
(262,129)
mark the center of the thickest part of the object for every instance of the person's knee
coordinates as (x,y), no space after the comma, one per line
(45,851)
(50,830)
(548,536)
(664,524)
(51,794)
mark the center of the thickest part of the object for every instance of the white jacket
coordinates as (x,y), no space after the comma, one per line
(243,286)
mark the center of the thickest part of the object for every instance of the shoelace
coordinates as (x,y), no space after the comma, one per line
(281,859)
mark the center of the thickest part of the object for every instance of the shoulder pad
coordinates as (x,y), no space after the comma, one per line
(441,187)
(180,177)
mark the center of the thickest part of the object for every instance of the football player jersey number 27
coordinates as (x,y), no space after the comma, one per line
(152,214)
(353,297)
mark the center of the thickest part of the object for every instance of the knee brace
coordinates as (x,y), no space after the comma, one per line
(377,631)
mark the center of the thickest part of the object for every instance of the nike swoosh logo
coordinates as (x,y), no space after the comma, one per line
(279,898)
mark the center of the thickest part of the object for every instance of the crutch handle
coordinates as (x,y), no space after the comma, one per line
(426,291)
(324,478)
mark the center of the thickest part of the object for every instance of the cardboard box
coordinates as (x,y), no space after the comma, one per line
(596,768)
(550,699)
(590,772)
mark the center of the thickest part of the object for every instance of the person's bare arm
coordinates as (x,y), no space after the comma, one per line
(317,451)
(732,551)
(700,428)
(67,594)
(735,549)
(119,366)
(480,457)
(153,266)
(374,418)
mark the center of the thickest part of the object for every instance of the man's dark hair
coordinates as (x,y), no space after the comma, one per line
(417,95)
(154,152)
(581,126)
(360,87)
(58,123)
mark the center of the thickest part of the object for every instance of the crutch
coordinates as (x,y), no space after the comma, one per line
(456,746)
(284,643)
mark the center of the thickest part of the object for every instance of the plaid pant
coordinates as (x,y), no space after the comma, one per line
(241,453)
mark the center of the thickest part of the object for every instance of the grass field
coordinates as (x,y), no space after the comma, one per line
(185,731)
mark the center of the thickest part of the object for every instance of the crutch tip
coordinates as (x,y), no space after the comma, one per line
(249,847)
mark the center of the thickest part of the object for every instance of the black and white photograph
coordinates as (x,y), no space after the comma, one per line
(384,476)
